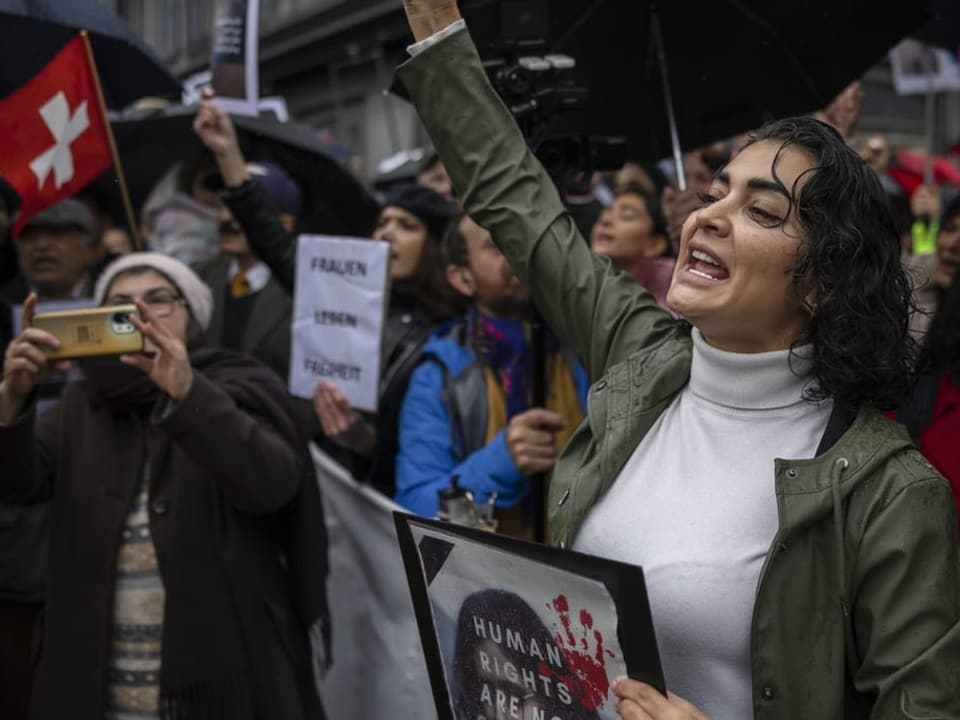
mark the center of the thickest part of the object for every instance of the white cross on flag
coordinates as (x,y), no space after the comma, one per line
(53,134)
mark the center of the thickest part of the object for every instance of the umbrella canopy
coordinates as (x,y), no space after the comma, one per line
(33,31)
(908,170)
(335,201)
(943,30)
(733,64)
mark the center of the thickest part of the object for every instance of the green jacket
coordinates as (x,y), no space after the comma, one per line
(857,613)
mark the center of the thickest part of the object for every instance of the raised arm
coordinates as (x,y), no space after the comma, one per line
(603,315)
(270,242)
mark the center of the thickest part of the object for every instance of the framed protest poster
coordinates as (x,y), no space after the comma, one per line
(512,629)
(919,69)
(339,307)
(235,58)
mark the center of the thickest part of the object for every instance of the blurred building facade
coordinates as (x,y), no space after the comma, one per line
(332,60)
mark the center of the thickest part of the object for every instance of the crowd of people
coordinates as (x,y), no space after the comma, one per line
(737,379)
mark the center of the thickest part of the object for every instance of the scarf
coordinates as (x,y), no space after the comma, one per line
(503,345)
(119,388)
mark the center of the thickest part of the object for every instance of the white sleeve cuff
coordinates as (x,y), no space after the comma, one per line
(449,30)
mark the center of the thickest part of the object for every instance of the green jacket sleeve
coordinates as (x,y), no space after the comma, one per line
(906,614)
(602,315)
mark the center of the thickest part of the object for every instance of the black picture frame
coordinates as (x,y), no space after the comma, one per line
(625,584)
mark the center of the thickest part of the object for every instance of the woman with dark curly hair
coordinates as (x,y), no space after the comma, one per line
(801,557)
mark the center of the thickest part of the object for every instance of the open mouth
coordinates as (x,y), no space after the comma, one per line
(44,263)
(707,266)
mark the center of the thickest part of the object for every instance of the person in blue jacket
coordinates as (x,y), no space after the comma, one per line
(467,412)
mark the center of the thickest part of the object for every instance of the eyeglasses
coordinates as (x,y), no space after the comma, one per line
(160,302)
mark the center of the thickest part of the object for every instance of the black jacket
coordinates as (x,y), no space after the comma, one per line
(406,330)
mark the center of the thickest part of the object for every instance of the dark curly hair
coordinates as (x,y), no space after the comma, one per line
(850,266)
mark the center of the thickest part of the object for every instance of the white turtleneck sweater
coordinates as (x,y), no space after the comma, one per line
(696,507)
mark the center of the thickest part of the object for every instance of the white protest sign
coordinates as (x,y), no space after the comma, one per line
(919,69)
(339,308)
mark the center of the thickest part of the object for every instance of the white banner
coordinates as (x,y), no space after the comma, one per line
(339,307)
(378,667)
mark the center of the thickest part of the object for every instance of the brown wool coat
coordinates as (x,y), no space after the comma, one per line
(225,468)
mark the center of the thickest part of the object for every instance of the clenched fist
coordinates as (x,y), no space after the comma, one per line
(428,17)
(531,441)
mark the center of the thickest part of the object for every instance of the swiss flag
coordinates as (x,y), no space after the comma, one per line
(53,133)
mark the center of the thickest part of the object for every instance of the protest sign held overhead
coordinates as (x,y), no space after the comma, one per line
(339,309)
(515,629)
(234,60)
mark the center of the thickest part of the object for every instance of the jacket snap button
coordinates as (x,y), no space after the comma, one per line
(562,544)
(601,385)
(159,506)
(792,473)
(767,693)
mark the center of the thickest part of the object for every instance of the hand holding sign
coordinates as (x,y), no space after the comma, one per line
(340,422)
(639,701)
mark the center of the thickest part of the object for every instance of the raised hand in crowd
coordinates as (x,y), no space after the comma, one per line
(26,364)
(677,207)
(166,361)
(926,203)
(844,111)
(340,422)
(639,701)
(531,440)
(427,17)
(216,131)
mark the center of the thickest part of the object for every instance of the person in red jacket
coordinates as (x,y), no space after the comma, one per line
(932,414)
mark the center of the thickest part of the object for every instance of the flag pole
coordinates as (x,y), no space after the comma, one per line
(117,166)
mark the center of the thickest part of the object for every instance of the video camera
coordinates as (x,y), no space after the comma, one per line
(516,38)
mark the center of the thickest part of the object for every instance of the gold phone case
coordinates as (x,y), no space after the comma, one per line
(92,331)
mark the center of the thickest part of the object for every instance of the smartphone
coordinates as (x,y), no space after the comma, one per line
(92,332)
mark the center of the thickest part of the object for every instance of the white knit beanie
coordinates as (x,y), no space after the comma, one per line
(196,294)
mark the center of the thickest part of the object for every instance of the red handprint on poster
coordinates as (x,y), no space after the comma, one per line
(585,652)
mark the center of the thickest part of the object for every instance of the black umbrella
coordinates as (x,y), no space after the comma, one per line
(731,65)
(943,30)
(33,31)
(335,201)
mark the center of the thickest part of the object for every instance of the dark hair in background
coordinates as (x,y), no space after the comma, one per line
(654,208)
(429,283)
(951,211)
(716,158)
(862,352)
(941,349)
(455,244)
(509,611)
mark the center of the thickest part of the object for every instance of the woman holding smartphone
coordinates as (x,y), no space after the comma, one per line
(187,561)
